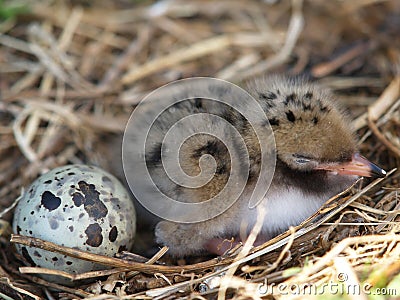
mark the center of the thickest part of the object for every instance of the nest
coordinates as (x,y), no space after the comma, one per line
(72,72)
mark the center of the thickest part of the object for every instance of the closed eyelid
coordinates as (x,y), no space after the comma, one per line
(303,156)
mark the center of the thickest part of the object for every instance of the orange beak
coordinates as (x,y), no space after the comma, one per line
(358,165)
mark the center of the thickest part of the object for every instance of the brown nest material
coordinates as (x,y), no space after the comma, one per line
(72,71)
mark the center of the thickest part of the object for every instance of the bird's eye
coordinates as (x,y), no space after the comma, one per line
(301,159)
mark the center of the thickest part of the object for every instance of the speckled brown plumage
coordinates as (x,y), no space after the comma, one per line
(316,158)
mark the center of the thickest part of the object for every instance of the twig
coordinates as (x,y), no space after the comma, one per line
(294,29)
(197,50)
(382,137)
(324,69)
(377,109)
(111,261)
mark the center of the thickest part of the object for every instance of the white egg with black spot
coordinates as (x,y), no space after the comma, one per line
(76,206)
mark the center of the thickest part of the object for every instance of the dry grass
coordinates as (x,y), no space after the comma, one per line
(71,73)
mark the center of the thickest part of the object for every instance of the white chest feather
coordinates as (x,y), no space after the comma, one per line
(286,208)
(290,208)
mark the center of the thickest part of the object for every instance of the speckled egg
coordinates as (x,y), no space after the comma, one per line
(75,206)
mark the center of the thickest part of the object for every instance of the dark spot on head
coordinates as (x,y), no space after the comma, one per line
(32,212)
(54,258)
(306,106)
(47,181)
(30,232)
(315,120)
(267,105)
(322,107)
(28,258)
(68,262)
(290,116)
(71,173)
(290,99)
(94,236)
(267,96)
(273,122)
(308,95)
(50,201)
(71,228)
(18,230)
(81,215)
(113,234)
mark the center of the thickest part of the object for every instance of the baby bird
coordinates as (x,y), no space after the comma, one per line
(316,158)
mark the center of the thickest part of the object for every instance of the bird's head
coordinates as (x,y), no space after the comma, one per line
(312,133)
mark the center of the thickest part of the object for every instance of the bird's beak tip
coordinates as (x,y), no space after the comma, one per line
(367,166)
(377,171)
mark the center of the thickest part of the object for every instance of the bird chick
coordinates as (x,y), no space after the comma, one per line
(316,158)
